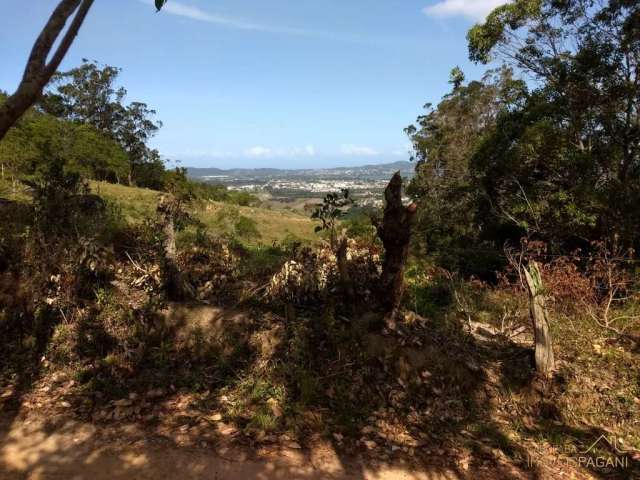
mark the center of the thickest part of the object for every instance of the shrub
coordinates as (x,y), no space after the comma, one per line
(209,267)
(247,229)
(597,282)
(313,273)
(53,189)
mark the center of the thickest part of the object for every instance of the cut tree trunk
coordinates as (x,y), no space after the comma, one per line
(343,269)
(395,233)
(539,316)
(290,312)
(38,72)
(176,286)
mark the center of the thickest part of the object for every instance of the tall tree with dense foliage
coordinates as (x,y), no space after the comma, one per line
(134,131)
(89,95)
(565,166)
(444,140)
(556,158)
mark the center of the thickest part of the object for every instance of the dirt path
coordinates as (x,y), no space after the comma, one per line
(58,448)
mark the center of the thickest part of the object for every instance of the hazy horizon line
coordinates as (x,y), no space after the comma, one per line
(362,165)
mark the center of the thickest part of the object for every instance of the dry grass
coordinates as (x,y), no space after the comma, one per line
(13,191)
(273,225)
(136,203)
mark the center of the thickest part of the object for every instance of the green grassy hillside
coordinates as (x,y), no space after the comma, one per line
(272,225)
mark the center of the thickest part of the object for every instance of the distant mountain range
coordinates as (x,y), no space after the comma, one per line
(365,172)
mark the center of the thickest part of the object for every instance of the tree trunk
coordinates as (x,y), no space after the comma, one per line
(343,269)
(543,344)
(172,275)
(176,287)
(395,233)
(290,312)
(38,72)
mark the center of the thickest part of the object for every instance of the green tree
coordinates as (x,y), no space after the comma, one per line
(456,78)
(133,132)
(330,211)
(88,94)
(38,137)
(566,165)
(444,141)
(151,173)
(95,155)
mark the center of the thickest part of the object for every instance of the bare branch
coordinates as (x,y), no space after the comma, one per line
(37,72)
(68,39)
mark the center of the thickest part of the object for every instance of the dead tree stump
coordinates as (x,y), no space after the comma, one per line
(395,233)
(539,316)
(168,210)
(343,269)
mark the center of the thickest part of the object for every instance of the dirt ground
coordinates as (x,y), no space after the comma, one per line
(67,449)
(47,433)
(57,447)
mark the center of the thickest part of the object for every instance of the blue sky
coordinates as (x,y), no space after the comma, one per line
(275,83)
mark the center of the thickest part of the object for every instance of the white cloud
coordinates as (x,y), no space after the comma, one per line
(258,152)
(194,13)
(474,9)
(358,151)
(267,152)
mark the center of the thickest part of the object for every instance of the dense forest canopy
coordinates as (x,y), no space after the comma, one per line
(555,156)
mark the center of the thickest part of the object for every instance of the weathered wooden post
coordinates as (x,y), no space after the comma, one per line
(539,316)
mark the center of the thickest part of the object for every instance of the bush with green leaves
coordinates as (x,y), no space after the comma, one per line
(359,224)
(330,211)
(247,229)
(54,188)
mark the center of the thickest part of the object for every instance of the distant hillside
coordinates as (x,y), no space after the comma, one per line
(365,172)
